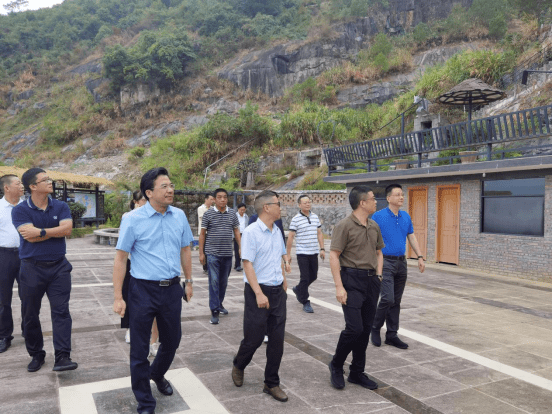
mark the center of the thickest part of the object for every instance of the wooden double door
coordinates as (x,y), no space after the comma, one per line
(447,232)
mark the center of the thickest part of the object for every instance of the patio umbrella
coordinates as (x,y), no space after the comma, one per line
(472,91)
(469,92)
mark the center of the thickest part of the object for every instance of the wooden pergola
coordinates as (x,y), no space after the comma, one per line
(83,188)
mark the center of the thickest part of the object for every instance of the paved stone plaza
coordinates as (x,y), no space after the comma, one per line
(478,344)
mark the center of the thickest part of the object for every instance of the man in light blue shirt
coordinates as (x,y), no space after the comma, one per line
(263,250)
(158,236)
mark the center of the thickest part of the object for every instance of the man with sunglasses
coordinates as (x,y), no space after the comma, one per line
(43,223)
(158,236)
(306,229)
(263,251)
(356,262)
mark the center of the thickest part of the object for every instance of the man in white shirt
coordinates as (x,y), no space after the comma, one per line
(244,221)
(306,229)
(9,255)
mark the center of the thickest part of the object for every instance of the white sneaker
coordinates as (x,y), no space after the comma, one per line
(127,336)
(265,339)
(153,349)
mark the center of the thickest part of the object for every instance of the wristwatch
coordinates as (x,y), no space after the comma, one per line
(42,232)
(190,281)
(420,257)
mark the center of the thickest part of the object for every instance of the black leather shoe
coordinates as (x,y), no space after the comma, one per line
(147,412)
(294,288)
(4,344)
(336,377)
(223,310)
(64,363)
(36,363)
(163,386)
(396,342)
(375,337)
(239,269)
(362,380)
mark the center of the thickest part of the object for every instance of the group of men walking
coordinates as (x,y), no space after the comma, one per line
(367,262)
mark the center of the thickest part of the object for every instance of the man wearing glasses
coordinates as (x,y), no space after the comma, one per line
(43,223)
(263,251)
(9,256)
(356,262)
(396,227)
(216,249)
(305,227)
(158,236)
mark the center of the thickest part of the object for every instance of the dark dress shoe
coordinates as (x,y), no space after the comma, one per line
(239,269)
(147,412)
(362,380)
(237,376)
(4,344)
(276,393)
(375,337)
(336,377)
(64,363)
(223,311)
(396,342)
(36,363)
(294,288)
(163,386)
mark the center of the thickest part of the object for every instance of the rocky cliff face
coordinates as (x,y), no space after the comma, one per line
(272,71)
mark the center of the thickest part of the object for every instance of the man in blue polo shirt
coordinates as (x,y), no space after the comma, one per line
(396,227)
(158,236)
(265,295)
(43,223)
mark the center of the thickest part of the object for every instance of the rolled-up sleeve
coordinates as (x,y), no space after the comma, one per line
(126,235)
(187,236)
(248,245)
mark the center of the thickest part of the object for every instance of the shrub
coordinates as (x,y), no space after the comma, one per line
(137,152)
(77,211)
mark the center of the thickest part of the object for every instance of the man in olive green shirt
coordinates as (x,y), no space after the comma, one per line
(356,262)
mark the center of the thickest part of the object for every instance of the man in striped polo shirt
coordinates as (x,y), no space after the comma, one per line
(305,228)
(216,249)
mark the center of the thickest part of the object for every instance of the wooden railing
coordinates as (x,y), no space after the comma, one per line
(514,126)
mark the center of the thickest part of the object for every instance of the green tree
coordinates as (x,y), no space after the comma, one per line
(16,5)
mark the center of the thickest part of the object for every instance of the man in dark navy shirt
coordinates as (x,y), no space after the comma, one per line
(43,223)
(396,227)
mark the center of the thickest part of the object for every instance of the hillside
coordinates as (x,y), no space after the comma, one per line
(110,88)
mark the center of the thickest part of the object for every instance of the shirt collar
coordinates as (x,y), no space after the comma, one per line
(304,215)
(356,220)
(150,211)
(264,227)
(393,214)
(216,209)
(32,205)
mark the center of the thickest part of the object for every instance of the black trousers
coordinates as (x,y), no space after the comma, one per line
(392,289)
(308,272)
(55,282)
(126,282)
(237,254)
(362,299)
(257,322)
(147,300)
(9,272)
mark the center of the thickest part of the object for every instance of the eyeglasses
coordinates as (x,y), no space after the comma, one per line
(45,180)
(278,203)
(165,187)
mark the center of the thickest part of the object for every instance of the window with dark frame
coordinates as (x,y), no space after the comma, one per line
(513,206)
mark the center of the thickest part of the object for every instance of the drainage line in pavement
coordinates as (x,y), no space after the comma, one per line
(485,301)
(390,393)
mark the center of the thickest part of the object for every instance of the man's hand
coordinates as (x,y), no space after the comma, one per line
(202,259)
(29,232)
(421,265)
(287,266)
(285,285)
(322,254)
(189,291)
(262,301)
(341,295)
(119,306)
